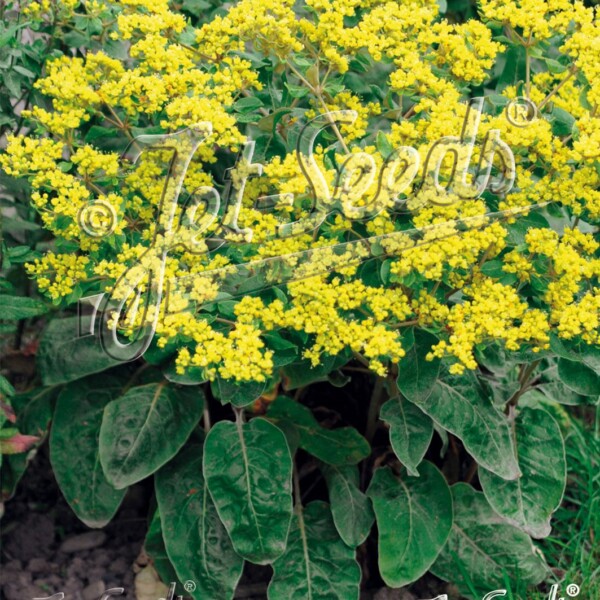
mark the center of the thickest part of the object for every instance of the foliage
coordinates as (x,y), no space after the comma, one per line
(299,324)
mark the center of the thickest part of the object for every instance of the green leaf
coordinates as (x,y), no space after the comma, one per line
(196,541)
(411,431)
(248,471)
(485,550)
(34,410)
(21,254)
(562,121)
(383,144)
(154,546)
(316,564)
(196,7)
(6,387)
(351,509)
(579,377)
(528,502)
(239,394)
(458,404)
(145,428)
(74,449)
(554,66)
(14,308)
(296,91)
(303,373)
(63,356)
(414,518)
(554,389)
(416,374)
(245,105)
(343,446)
(284,352)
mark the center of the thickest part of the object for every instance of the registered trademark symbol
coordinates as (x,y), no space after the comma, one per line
(521,111)
(190,586)
(572,590)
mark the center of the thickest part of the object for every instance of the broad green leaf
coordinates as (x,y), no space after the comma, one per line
(12,469)
(416,374)
(483,550)
(284,351)
(244,105)
(196,541)
(458,404)
(316,564)
(145,428)
(554,389)
(22,254)
(248,471)
(562,122)
(154,547)
(303,373)
(74,449)
(192,376)
(579,377)
(63,356)
(588,354)
(411,431)
(14,308)
(239,394)
(414,517)
(296,91)
(383,144)
(34,410)
(529,501)
(343,446)
(351,508)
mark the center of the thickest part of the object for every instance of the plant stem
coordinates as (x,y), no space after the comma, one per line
(570,74)
(373,413)
(524,380)
(206,417)
(527,72)
(317,92)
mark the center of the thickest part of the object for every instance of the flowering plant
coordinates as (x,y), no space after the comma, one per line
(257,199)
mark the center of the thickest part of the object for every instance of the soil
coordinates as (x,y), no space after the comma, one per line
(46,550)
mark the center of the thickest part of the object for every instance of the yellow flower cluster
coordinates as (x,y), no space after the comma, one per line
(491,311)
(58,274)
(261,69)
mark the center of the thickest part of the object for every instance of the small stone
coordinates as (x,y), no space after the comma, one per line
(72,588)
(18,592)
(94,591)
(38,565)
(33,537)
(76,568)
(83,541)
(393,594)
(50,581)
(100,557)
(94,573)
(120,565)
